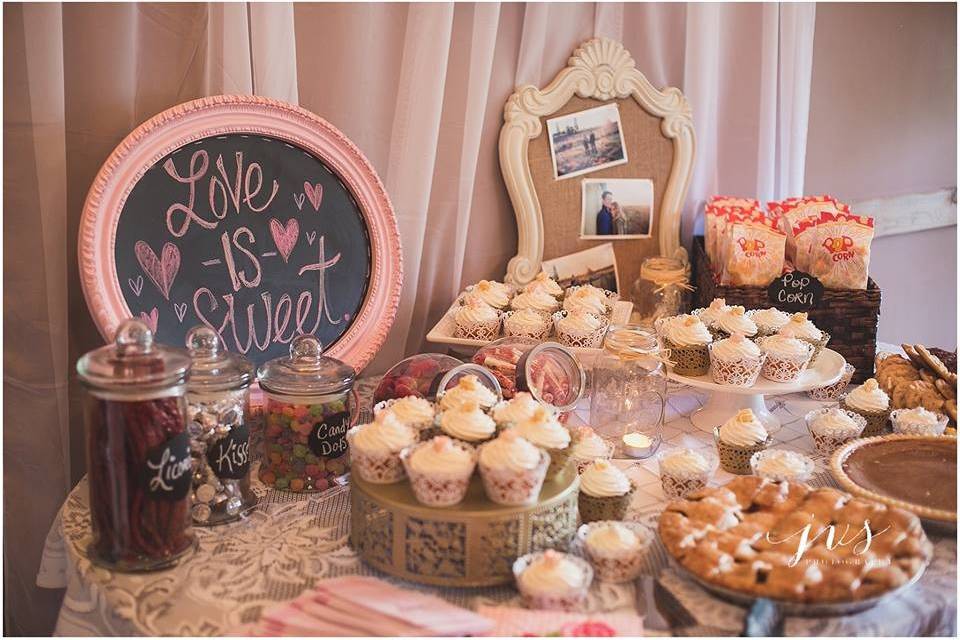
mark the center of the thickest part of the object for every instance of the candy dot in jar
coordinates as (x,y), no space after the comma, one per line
(195,429)
(230,417)
(205,492)
(201,512)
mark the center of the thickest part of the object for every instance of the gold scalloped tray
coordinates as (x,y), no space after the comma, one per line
(926,513)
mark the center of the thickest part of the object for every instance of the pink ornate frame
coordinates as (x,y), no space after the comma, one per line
(218,115)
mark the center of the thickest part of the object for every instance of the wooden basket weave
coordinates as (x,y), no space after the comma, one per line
(849,316)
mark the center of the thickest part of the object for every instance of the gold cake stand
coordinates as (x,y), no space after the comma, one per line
(472,544)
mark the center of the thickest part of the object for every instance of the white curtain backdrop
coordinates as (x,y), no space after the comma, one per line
(419,88)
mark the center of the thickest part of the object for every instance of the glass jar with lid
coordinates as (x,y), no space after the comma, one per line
(308,409)
(662,290)
(218,400)
(138,451)
(628,392)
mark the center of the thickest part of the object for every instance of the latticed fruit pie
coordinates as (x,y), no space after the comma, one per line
(772,539)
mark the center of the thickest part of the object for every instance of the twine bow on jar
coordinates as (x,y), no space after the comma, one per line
(630,344)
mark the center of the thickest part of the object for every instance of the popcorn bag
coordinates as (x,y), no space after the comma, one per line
(839,250)
(755,253)
(792,211)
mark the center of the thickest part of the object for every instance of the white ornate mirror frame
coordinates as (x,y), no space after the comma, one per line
(602,69)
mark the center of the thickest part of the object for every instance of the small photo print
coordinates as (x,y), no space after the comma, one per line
(616,209)
(586,141)
(596,266)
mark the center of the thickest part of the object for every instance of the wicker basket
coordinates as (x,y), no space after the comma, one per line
(850,317)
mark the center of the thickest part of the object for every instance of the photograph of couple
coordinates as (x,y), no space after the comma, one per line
(616,208)
(586,141)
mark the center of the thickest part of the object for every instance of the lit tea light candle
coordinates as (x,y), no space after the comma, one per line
(638,445)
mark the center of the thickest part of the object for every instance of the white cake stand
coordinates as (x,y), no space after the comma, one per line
(726,400)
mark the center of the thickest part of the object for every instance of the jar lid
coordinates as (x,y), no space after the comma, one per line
(133,359)
(551,373)
(306,371)
(634,342)
(214,368)
(484,375)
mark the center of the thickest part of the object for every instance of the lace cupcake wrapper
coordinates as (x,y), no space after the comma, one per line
(833,391)
(735,459)
(877,421)
(485,331)
(739,373)
(904,426)
(571,601)
(592,340)
(377,469)
(677,487)
(511,488)
(593,508)
(537,333)
(827,443)
(689,360)
(558,462)
(785,369)
(438,489)
(818,345)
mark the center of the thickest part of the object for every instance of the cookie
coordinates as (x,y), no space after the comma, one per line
(891,375)
(884,360)
(932,362)
(928,376)
(947,390)
(950,408)
(913,355)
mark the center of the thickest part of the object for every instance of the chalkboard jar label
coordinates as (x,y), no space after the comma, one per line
(167,471)
(795,291)
(328,438)
(229,457)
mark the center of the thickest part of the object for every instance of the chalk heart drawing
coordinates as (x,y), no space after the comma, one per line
(136,285)
(285,237)
(311,236)
(299,198)
(163,270)
(151,319)
(180,308)
(314,193)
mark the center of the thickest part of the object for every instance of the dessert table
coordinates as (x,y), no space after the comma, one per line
(293,540)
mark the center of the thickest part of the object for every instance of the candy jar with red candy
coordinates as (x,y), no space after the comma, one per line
(307,412)
(138,451)
(417,375)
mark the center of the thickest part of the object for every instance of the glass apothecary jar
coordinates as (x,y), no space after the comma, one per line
(418,375)
(218,401)
(308,409)
(662,290)
(138,451)
(628,391)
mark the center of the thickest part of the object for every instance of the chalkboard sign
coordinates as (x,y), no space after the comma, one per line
(795,291)
(259,227)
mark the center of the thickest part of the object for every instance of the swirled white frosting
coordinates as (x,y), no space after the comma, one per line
(612,539)
(711,314)
(526,321)
(579,323)
(385,435)
(589,446)
(770,319)
(412,410)
(868,397)
(835,423)
(468,389)
(743,430)
(734,320)
(441,456)
(542,282)
(601,479)
(919,416)
(475,312)
(801,327)
(688,331)
(586,301)
(785,347)
(467,422)
(736,347)
(495,294)
(543,430)
(552,574)
(510,452)
(782,465)
(518,408)
(537,300)
(684,462)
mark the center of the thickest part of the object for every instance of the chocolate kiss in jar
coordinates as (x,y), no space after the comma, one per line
(218,399)
(138,451)
(307,414)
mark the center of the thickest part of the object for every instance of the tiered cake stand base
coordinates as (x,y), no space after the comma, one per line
(726,400)
(472,544)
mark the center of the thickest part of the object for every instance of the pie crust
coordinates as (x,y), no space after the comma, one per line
(745,536)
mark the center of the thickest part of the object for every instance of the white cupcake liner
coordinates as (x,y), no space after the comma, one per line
(833,391)
(877,421)
(827,443)
(620,567)
(902,424)
(800,476)
(677,486)
(591,340)
(742,372)
(570,601)
(374,468)
(485,331)
(537,333)
(513,488)
(785,368)
(438,489)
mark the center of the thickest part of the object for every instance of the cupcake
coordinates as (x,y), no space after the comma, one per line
(545,431)
(832,427)
(477,321)
(586,300)
(590,290)
(587,447)
(605,492)
(781,465)
(687,338)
(415,412)
(683,471)
(495,294)
(739,438)
(734,320)
(512,469)
(520,407)
(467,422)
(375,448)
(579,329)
(439,470)
(615,549)
(787,357)
(542,282)
(801,327)
(535,301)
(468,389)
(835,390)
(526,323)
(552,580)
(918,422)
(871,402)
(769,320)
(735,361)
(711,314)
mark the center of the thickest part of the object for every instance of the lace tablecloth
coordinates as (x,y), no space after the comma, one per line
(292,540)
